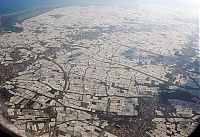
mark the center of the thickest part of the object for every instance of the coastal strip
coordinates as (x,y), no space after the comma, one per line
(8,21)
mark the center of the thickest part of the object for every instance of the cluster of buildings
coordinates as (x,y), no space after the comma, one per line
(80,67)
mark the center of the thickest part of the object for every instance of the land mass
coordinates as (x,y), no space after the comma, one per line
(100,71)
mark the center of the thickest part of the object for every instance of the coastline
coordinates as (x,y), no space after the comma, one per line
(8,21)
(32,9)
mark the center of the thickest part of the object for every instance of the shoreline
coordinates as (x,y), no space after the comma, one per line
(32,9)
(59,6)
(8,21)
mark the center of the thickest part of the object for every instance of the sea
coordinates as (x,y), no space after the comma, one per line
(13,6)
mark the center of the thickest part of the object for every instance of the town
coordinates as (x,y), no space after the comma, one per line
(101,71)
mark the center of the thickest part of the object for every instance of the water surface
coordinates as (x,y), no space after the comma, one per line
(12,6)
